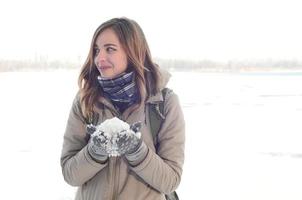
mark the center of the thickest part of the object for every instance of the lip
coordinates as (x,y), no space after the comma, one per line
(104,67)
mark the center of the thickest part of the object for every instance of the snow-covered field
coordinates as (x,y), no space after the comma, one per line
(243,135)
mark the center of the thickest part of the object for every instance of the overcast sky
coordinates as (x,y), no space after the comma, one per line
(204,29)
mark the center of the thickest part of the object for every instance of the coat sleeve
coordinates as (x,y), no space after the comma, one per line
(163,170)
(77,165)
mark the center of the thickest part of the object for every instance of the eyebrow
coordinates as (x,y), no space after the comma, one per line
(106,45)
(109,44)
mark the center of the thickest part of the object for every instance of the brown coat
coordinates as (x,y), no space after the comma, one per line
(158,174)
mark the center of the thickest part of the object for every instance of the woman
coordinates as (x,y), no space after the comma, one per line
(119,79)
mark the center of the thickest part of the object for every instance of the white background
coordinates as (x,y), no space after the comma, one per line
(218,30)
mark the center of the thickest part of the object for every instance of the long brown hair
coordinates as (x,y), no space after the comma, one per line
(133,41)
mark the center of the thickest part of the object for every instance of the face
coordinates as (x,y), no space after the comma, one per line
(110,57)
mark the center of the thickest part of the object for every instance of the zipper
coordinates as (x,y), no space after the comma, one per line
(113,174)
(115,166)
(116,173)
(115,162)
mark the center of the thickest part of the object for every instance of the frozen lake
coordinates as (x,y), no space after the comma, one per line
(243,134)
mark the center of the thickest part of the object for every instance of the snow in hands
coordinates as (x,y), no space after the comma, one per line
(112,130)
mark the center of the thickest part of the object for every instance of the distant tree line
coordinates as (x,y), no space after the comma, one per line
(169,64)
(37,65)
(244,65)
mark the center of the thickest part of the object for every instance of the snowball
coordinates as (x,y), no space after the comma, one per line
(113,126)
(111,129)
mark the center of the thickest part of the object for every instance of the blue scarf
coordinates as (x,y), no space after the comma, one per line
(122,90)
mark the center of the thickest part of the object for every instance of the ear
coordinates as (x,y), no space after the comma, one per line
(135,127)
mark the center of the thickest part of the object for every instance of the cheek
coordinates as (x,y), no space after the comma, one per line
(125,65)
(95,64)
(120,63)
(125,62)
(95,61)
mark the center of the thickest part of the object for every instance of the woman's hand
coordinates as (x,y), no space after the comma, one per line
(97,146)
(131,145)
(128,141)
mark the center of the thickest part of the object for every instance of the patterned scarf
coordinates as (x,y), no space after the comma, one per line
(122,90)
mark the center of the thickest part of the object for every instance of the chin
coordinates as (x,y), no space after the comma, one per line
(107,75)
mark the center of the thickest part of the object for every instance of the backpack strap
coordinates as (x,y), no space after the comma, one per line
(156,114)
(156,118)
(172,196)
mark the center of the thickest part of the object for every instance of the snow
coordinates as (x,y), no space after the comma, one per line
(243,135)
(113,126)
(113,129)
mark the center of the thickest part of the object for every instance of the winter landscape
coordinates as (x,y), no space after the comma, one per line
(242,99)
(243,139)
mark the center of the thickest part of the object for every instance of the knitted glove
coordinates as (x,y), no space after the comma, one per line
(97,144)
(131,145)
(128,141)
(90,128)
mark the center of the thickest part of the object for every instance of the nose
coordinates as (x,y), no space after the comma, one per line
(100,57)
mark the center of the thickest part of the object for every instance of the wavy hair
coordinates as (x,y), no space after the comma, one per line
(133,41)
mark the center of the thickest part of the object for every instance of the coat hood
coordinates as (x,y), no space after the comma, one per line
(164,78)
(163,82)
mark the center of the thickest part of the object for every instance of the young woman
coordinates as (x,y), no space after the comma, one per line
(119,79)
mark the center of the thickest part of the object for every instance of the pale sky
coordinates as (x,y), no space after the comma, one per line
(204,29)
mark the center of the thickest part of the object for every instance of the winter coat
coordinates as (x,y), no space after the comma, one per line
(158,174)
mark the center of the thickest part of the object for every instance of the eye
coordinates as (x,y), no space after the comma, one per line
(110,49)
(96,51)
